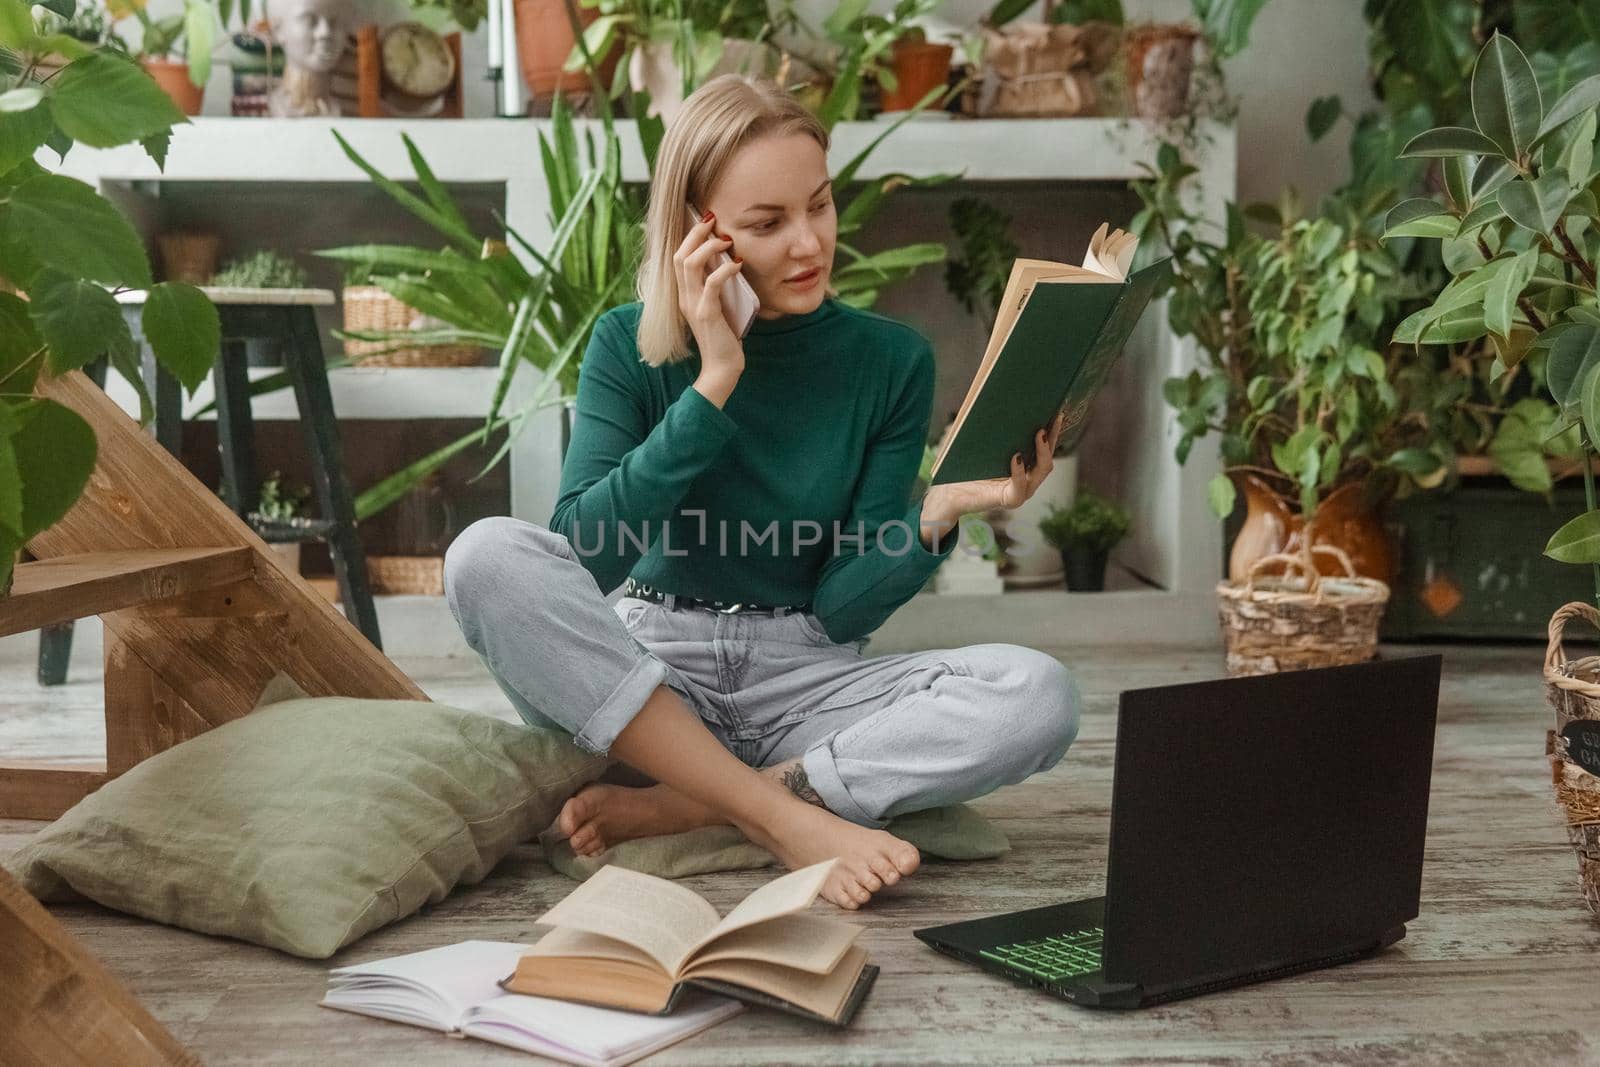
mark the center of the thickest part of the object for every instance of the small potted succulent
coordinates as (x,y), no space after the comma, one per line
(280,518)
(261,269)
(1085,534)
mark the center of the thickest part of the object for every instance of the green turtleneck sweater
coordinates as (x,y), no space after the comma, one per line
(797,490)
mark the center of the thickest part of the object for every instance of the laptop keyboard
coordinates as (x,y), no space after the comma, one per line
(1052,958)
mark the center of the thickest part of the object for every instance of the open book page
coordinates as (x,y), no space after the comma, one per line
(804,942)
(793,892)
(1105,261)
(823,994)
(431,988)
(566,942)
(579,1033)
(665,920)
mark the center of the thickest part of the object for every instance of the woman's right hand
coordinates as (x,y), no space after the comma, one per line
(700,302)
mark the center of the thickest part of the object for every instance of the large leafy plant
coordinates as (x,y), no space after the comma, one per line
(66,251)
(1294,378)
(1521,227)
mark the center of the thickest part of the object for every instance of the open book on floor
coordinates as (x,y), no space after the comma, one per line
(1056,334)
(457,989)
(628,940)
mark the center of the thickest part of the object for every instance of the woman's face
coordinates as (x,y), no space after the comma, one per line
(775,202)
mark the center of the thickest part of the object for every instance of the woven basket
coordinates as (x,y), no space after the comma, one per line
(1573,689)
(413,575)
(368,307)
(1303,620)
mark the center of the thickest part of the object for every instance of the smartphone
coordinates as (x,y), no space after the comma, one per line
(739,301)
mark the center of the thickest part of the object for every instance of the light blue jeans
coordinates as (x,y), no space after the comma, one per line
(878,736)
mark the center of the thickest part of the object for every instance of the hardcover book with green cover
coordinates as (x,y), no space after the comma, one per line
(1058,331)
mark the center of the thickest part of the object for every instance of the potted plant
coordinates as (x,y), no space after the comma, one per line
(670,49)
(264,268)
(1297,378)
(546,37)
(1084,534)
(1521,190)
(918,66)
(87,24)
(280,518)
(67,250)
(176,49)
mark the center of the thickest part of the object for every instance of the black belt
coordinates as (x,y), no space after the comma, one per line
(645,592)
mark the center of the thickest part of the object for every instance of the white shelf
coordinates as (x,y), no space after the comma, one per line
(490,150)
(358,393)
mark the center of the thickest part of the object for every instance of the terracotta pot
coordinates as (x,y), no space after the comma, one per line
(544,40)
(918,66)
(173,77)
(1344,520)
(1160,63)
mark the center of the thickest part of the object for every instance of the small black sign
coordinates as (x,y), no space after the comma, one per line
(1583,743)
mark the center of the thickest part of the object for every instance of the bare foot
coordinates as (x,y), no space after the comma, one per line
(604,814)
(601,815)
(800,831)
(801,834)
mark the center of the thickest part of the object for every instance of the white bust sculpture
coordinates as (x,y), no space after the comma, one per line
(313,35)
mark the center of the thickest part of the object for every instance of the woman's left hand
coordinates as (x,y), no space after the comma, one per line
(951,501)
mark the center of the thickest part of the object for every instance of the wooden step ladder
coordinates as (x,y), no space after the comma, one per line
(198,612)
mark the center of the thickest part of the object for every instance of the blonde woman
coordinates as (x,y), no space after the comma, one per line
(753,498)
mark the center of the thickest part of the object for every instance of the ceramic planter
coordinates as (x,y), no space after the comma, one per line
(173,77)
(1345,520)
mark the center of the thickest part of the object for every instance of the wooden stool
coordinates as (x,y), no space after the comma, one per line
(198,612)
(286,316)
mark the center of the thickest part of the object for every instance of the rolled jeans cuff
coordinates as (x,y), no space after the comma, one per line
(823,774)
(609,720)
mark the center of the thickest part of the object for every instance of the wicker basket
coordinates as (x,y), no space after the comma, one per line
(1573,690)
(368,307)
(414,575)
(1297,621)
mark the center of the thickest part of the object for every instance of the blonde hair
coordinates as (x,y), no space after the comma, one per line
(716,120)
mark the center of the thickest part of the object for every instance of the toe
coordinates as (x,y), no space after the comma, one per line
(906,858)
(885,870)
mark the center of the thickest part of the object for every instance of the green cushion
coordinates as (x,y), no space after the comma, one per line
(309,822)
(956,832)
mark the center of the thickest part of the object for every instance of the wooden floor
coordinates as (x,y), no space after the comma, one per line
(1500,968)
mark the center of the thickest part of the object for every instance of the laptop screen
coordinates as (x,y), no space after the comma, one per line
(1265,821)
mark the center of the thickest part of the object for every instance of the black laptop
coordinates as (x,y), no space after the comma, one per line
(1260,827)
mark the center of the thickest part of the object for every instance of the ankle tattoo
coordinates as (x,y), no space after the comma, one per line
(797,782)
